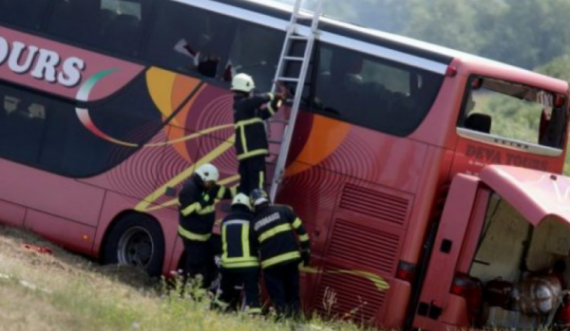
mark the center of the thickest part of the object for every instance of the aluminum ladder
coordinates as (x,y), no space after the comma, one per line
(285,58)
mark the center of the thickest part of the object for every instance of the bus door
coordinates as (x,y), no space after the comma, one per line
(434,303)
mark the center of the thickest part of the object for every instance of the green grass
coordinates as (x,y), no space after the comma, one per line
(66,292)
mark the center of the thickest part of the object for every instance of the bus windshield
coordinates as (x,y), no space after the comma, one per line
(517,112)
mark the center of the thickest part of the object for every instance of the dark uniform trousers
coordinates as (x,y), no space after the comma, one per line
(282,284)
(200,260)
(252,174)
(236,281)
(251,139)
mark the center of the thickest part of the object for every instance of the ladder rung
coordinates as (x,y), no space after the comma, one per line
(293,58)
(288,79)
(275,120)
(298,38)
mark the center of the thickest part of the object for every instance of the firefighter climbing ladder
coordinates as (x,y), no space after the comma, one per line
(286,57)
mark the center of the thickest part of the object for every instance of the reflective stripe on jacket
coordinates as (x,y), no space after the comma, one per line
(275,228)
(197,208)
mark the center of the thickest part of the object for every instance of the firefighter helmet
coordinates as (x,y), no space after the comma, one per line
(208,172)
(258,197)
(241,199)
(243,83)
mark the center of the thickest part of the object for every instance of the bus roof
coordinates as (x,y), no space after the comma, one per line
(359,32)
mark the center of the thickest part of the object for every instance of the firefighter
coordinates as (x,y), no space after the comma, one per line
(251,140)
(240,263)
(197,202)
(274,227)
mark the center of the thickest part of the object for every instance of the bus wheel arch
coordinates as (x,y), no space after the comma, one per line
(136,239)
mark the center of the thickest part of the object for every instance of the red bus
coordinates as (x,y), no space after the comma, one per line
(406,164)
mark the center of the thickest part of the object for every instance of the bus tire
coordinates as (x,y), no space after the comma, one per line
(136,239)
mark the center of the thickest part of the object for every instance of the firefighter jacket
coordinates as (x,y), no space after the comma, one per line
(197,208)
(249,114)
(238,242)
(274,228)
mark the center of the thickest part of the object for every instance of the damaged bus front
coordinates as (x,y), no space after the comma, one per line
(499,259)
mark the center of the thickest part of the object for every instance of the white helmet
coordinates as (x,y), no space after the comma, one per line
(241,199)
(208,172)
(243,83)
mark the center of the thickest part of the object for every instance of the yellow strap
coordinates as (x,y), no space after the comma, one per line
(297,223)
(233,191)
(245,239)
(253,153)
(304,237)
(238,264)
(243,140)
(253,310)
(280,259)
(261,176)
(274,231)
(221,192)
(207,210)
(270,109)
(191,208)
(193,236)
(249,122)
(224,243)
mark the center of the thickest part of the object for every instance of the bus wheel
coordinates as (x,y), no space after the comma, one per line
(136,240)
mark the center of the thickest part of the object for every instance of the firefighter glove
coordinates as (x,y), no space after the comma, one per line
(306,257)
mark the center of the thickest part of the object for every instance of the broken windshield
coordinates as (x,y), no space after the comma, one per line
(514,111)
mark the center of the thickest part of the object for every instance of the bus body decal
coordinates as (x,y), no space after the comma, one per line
(57,68)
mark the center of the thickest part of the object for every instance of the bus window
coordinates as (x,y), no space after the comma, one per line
(190,40)
(112,25)
(48,133)
(258,59)
(513,111)
(22,14)
(372,92)
(22,122)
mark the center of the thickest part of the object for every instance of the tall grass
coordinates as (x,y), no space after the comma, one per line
(65,292)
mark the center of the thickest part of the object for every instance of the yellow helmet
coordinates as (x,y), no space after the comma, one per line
(243,83)
(241,199)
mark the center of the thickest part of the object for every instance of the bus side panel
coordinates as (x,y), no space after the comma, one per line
(12,214)
(362,252)
(72,235)
(67,198)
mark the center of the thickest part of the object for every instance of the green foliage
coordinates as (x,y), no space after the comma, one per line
(526,33)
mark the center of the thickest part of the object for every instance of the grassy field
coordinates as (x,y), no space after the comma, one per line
(61,291)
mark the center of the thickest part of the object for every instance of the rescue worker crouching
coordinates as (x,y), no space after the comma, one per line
(240,263)
(197,203)
(251,139)
(274,227)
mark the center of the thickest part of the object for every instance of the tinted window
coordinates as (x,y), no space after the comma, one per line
(113,25)
(256,51)
(23,13)
(48,134)
(191,40)
(370,91)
